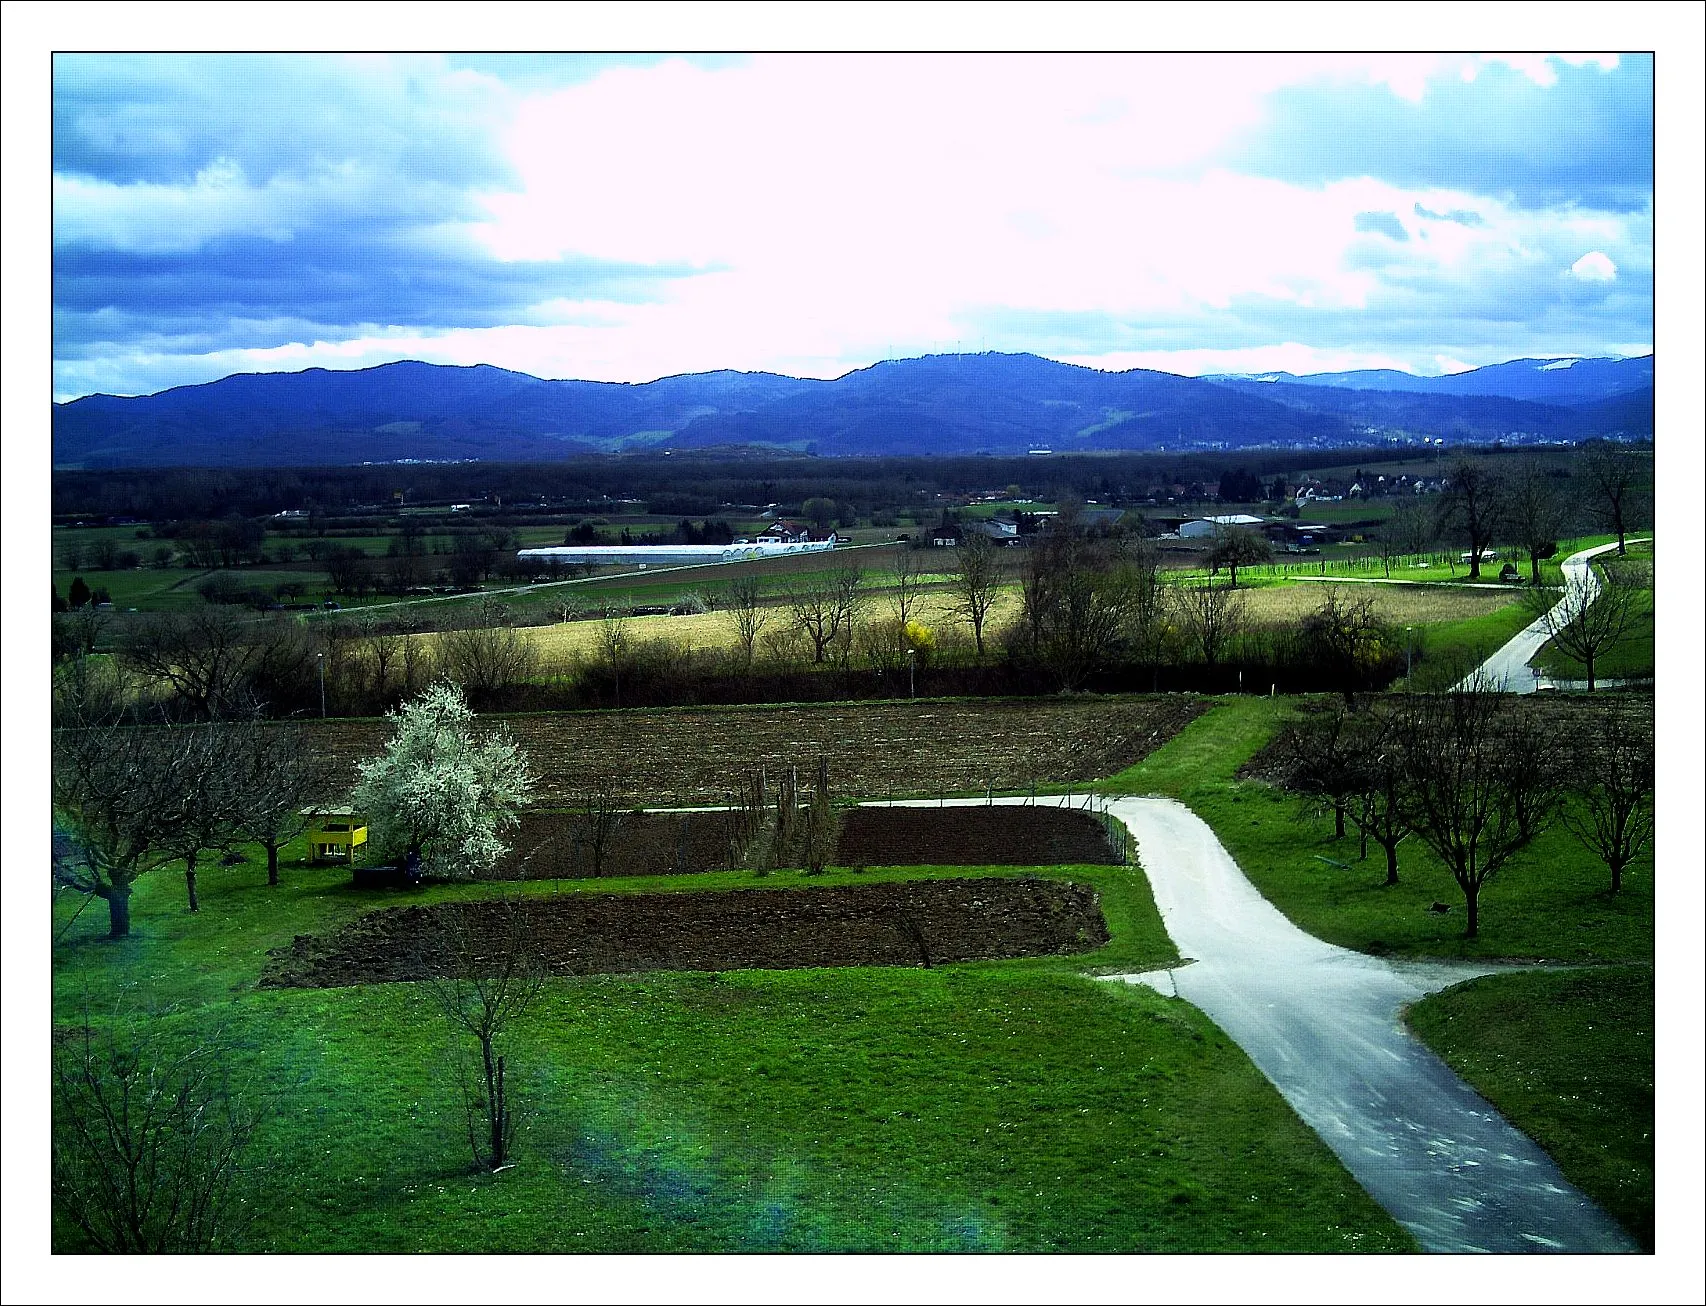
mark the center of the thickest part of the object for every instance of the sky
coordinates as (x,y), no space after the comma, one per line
(624,218)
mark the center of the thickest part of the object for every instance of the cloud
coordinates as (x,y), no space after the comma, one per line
(1583,135)
(1462,217)
(1594,266)
(1382,224)
(626,218)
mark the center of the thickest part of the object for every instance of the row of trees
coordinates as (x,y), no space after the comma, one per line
(1475,777)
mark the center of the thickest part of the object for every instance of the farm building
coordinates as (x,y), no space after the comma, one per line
(1208,526)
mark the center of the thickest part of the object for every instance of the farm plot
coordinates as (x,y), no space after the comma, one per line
(1398,604)
(900,923)
(697,756)
(971,836)
(557,845)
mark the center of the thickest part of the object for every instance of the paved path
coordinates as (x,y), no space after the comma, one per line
(1507,671)
(1324,1024)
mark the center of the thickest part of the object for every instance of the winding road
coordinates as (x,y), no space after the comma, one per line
(1325,1025)
(1507,671)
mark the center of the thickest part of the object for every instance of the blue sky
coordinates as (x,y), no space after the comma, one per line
(627,218)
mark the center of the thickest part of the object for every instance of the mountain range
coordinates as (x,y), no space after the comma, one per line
(938,404)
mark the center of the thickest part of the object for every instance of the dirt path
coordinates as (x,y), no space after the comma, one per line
(1325,1025)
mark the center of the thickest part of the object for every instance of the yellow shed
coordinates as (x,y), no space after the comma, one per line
(334,833)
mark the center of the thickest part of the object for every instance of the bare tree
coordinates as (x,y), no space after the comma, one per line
(1409,530)
(383,645)
(491,976)
(823,608)
(908,578)
(615,646)
(598,817)
(1235,548)
(746,605)
(1461,797)
(1077,601)
(148,1138)
(1346,637)
(1471,505)
(1322,756)
(208,766)
(821,823)
(1593,616)
(1536,513)
(1616,815)
(976,583)
(205,656)
(1616,478)
(276,777)
(1211,617)
(1380,808)
(489,655)
(118,796)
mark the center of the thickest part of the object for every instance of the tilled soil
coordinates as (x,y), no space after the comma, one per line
(971,836)
(699,756)
(553,845)
(911,923)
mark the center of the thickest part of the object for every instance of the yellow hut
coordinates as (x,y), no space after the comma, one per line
(334,833)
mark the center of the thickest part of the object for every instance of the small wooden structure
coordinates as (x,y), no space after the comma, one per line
(334,833)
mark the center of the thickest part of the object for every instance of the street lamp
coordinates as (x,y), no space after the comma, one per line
(320,659)
(912,673)
(1407,630)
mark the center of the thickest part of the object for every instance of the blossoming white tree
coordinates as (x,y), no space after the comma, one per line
(441,789)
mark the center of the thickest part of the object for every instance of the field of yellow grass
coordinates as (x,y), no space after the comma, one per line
(1408,605)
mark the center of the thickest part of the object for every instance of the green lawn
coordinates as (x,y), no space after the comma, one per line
(1632,656)
(1568,1058)
(1012,1106)
(1552,901)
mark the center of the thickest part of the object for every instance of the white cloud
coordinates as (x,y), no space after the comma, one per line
(1594,266)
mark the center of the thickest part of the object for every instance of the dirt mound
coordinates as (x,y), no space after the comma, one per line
(971,836)
(911,923)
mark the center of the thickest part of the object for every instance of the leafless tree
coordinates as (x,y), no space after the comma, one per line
(209,765)
(1592,618)
(1346,637)
(1471,506)
(276,776)
(1380,807)
(1459,779)
(1077,599)
(598,816)
(746,605)
(615,647)
(489,655)
(1321,754)
(1617,479)
(976,583)
(490,976)
(908,585)
(1409,530)
(1536,512)
(119,796)
(148,1138)
(1211,618)
(824,606)
(1616,815)
(1238,547)
(383,645)
(205,656)
(821,823)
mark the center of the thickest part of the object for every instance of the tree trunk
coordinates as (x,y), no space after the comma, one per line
(1391,863)
(1616,875)
(1472,903)
(1589,661)
(1534,568)
(118,909)
(189,881)
(272,864)
(1338,818)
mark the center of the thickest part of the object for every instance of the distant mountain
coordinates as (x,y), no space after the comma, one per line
(939,404)
(1541,380)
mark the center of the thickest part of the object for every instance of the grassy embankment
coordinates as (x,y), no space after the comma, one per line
(1567,1056)
(1633,656)
(1000,1106)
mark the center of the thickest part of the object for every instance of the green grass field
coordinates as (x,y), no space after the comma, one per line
(1551,902)
(1567,1057)
(1004,1106)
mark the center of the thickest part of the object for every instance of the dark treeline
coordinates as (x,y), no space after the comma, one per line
(672,486)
